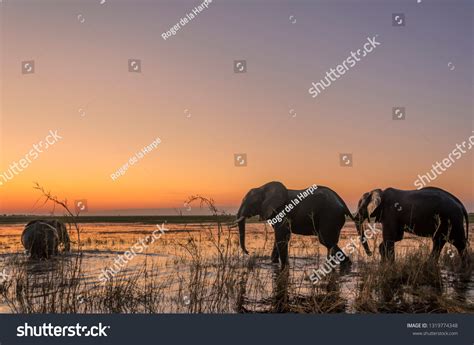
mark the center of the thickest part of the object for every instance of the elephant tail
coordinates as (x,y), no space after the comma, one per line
(347,212)
(466,216)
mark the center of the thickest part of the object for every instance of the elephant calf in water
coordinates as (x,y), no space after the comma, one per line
(428,212)
(320,212)
(41,238)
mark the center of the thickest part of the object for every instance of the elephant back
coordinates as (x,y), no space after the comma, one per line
(40,239)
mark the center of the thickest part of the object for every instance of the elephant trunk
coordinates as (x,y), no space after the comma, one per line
(359,221)
(242,235)
(241,222)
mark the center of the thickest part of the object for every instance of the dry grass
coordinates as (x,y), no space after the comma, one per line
(414,284)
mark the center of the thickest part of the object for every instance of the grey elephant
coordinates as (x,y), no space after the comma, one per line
(428,212)
(41,238)
(319,211)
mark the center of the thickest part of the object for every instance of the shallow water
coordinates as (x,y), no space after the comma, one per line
(169,257)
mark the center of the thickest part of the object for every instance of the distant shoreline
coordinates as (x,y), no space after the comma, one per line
(172,219)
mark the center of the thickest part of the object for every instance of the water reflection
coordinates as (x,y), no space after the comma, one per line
(284,297)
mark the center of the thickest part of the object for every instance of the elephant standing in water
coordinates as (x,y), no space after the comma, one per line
(428,212)
(41,238)
(320,212)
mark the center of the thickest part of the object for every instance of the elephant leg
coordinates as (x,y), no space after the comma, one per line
(438,243)
(40,250)
(282,237)
(341,258)
(49,252)
(275,256)
(458,238)
(387,250)
(460,244)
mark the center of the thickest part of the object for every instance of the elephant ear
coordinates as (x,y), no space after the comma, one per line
(60,229)
(64,236)
(375,201)
(275,197)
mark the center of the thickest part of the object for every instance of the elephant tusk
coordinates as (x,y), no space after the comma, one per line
(236,222)
(240,219)
(360,225)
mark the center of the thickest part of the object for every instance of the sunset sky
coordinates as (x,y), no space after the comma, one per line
(82,88)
